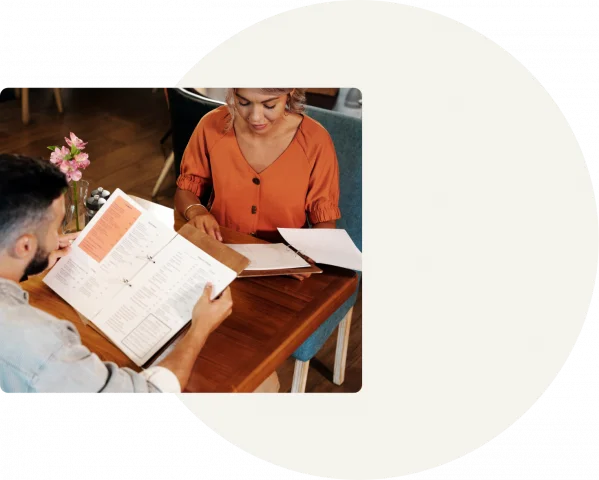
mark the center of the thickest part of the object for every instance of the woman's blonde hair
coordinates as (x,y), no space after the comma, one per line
(296,100)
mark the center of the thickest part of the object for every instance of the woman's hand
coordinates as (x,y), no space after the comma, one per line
(302,276)
(202,219)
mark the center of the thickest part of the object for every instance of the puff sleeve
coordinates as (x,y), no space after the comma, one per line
(196,175)
(322,199)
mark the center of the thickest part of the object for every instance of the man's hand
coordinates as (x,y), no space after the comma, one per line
(64,248)
(208,314)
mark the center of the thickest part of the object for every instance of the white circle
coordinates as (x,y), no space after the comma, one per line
(480,235)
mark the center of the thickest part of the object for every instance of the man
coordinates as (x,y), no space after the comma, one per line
(39,353)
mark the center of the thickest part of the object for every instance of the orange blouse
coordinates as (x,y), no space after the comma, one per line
(302,181)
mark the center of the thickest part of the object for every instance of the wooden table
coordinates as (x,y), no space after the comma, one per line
(271,317)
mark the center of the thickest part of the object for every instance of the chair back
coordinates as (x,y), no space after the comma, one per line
(186,109)
(346,133)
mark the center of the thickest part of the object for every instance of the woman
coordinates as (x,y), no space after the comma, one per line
(259,163)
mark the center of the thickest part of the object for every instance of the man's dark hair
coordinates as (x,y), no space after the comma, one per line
(28,187)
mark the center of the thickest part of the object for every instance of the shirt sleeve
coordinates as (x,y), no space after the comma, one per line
(162,378)
(322,200)
(73,368)
(195,173)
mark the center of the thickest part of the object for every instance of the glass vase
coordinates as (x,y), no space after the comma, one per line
(74,220)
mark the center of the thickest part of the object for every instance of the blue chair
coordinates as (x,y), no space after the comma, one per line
(346,133)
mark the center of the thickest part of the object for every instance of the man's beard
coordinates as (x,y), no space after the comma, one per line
(38,263)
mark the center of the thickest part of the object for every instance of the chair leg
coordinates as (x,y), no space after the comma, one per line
(300,376)
(168,133)
(25,105)
(58,99)
(341,350)
(167,166)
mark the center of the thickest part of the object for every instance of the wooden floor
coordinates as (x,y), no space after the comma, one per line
(124,128)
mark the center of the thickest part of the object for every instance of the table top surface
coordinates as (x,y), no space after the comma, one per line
(271,317)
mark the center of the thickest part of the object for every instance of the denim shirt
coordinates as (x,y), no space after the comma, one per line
(39,353)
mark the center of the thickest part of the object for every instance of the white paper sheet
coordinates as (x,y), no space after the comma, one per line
(162,213)
(134,278)
(323,245)
(114,246)
(269,256)
(160,299)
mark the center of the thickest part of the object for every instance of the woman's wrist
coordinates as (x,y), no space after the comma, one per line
(194,210)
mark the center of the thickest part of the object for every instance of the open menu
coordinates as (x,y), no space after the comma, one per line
(137,280)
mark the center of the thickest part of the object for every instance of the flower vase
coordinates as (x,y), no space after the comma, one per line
(75,196)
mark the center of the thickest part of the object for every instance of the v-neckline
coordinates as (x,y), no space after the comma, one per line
(253,170)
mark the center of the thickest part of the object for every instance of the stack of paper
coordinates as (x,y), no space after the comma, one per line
(323,245)
(275,256)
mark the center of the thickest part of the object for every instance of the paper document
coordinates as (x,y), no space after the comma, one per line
(160,299)
(275,256)
(134,278)
(323,245)
(112,248)
(162,213)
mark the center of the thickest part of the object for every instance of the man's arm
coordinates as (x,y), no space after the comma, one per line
(183,357)
(206,316)
(71,367)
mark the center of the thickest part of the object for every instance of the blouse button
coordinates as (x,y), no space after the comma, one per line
(254,208)
(256,181)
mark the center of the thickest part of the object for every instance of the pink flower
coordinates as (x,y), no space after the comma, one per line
(82,160)
(75,141)
(58,155)
(70,162)
(75,176)
(69,168)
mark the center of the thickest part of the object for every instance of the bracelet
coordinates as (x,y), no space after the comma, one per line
(193,205)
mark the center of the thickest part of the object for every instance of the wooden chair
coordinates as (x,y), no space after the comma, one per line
(23,94)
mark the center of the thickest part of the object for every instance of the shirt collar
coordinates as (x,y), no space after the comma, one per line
(8,288)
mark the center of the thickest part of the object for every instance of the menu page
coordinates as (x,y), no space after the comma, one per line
(118,242)
(158,302)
